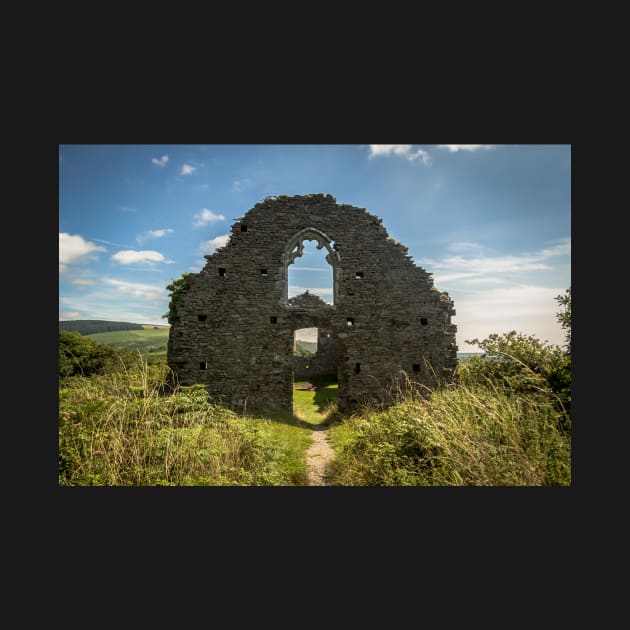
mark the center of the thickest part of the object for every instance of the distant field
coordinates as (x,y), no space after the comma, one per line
(306,347)
(150,342)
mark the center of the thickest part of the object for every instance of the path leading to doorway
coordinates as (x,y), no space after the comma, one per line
(317,456)
(310,403)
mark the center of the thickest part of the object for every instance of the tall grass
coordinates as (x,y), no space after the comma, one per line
(123,429)
(473,434)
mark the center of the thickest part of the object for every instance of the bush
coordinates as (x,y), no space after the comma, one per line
(80,355)
(466,436)
(122,429)
(522,363)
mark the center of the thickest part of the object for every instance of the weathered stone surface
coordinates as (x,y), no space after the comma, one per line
(388,322)
(324,361)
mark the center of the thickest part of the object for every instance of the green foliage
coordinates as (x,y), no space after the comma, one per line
(92,326)
(564,316)
(80,355)
(125,429)
(462,436)
(176,289)
(522,363)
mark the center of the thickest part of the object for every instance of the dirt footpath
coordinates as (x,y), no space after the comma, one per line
(318,456)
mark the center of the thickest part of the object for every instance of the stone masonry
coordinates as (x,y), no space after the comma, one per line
(324,361)
(235,328)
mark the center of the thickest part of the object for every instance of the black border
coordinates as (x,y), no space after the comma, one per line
(404,518)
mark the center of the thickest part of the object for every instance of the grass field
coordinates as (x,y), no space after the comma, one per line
(150,342)
(312,406)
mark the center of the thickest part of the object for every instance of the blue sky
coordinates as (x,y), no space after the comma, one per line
(492,223)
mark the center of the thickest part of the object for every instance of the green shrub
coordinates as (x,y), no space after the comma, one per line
(476,435)
(125,428)
(522,363)
(80,355)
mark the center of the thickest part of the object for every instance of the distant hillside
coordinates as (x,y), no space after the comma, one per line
(303,348)
(150,342)
(93,326)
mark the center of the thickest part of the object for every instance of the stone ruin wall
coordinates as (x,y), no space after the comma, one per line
(324,361)
(234,331)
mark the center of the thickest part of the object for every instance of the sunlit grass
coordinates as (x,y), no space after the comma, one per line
(486,436)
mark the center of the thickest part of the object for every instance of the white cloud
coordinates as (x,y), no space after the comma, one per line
(83,282)
(401,150)
(306,334)
(137,289)
(205,217)
(528,309)
(187,169)
(126,209)
(130,257)
(70,315)
(201,187)
(211,246)
(198,266)
(465,247)
(465,147)
(120,302)
(153,234)
(241,184)
(161,162)
(460,267)
(496,294)
(75,250)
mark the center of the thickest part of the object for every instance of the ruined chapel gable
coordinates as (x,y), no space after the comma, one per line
(234,329)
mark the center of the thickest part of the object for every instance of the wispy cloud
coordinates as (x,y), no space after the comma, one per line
(70,315)
(161,162)
(131,257)
(453,148)
(241,184)
(461,267)
(82,282)
(137,289)
(499,293)
(187,169)
(526,308)
(201,187)
(211,246)
(100,240)
(206,216)
(145,236)
(119,303)
(400,150)
(198,266)
(75,250)
(126,209)
(466,247)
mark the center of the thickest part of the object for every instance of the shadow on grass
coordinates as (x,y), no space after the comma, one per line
(322,399)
